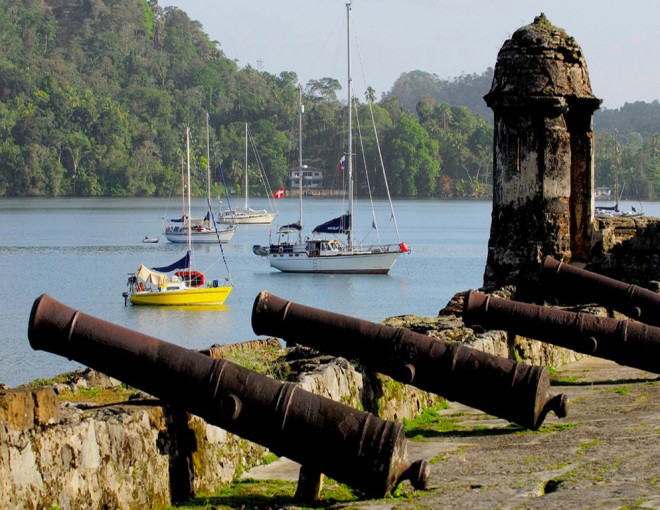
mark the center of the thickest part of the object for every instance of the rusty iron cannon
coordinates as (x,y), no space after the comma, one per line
(499,386)
(626,342)
(581,286)
(324,436)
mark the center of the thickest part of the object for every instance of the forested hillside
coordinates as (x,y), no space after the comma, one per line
(628,149)
(465,90)
(95,96)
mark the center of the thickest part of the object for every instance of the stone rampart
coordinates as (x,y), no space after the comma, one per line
(141,454)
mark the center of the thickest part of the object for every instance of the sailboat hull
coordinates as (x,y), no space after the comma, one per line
(347,263)
(184,297)
(246,215)
(250,217)
(203,237)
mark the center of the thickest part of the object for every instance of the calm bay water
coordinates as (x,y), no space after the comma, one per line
(79,251)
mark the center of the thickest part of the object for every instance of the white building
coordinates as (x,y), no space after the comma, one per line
(312,179)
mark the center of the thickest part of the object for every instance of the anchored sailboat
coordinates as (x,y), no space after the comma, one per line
(197,230)
(329,254)
(177,284)
(245,214)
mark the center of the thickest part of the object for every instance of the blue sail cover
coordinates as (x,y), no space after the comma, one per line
(339,225)
(291,226)
(178,220)
(183,263)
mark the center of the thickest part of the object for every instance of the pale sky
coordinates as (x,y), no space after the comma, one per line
(619,38)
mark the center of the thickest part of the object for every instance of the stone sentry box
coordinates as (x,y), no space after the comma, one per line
(543,166)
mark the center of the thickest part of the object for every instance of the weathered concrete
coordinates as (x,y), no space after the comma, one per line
(351,384)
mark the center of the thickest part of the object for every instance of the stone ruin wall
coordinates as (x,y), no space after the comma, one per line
(627,249)
(130,455)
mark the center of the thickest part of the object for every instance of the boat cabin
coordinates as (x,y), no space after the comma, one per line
(323,247)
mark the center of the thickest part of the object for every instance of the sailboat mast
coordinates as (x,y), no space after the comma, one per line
(617,169)
(188,166)
(301,110)
(246,167)
(349,154)
(208,162)
(183,192)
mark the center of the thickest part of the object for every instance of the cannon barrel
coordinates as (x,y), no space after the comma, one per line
(324,436)
(499,386)
(580,285)
(628,343)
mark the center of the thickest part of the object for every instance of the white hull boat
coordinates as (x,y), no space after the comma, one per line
(328,254)
(246,215)
(199,235)
(374,260)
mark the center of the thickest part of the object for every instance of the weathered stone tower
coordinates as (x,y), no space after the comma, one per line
(543,168)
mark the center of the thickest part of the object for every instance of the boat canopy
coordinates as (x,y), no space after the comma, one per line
(614,208)
(291,227)
(146,275)
(339,225)
(183,263)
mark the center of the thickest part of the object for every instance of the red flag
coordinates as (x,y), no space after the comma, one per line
(279,193)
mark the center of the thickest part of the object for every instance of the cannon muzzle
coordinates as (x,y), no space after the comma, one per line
(324,436)
(583,286)
(628,343)
(499,386)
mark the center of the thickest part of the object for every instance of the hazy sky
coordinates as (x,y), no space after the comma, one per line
(620,38)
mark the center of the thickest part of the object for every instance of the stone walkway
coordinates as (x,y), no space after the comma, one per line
(604,454)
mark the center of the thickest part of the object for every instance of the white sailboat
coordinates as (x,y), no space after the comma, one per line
(177,284)
(247,215)
(329,254)
(200,230)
